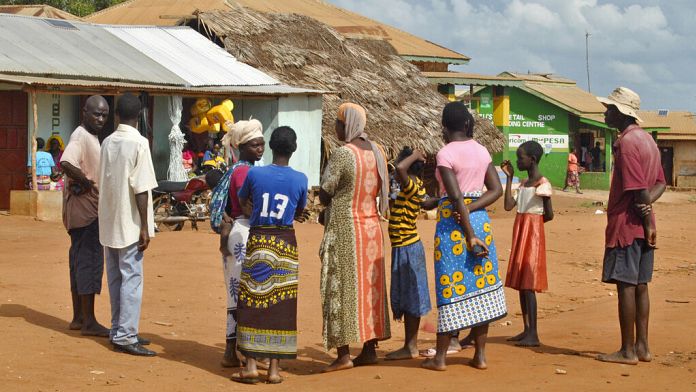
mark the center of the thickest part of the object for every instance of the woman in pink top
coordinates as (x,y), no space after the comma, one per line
(468,287)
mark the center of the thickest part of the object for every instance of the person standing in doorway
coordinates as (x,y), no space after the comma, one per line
(637,182)
(596,152)
(126,179)
(80,162)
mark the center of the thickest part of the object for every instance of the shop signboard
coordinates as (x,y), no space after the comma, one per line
(551,143)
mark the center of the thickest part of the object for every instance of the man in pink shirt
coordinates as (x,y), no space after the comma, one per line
(80,162)
(637,182)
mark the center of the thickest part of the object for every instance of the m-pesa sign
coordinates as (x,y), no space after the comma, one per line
(557,143)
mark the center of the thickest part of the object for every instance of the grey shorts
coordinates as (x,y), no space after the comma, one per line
(632,264)
(86,260)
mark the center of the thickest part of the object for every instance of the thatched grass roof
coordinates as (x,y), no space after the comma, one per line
(403,108)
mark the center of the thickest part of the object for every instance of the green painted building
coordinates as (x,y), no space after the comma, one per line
(551,110)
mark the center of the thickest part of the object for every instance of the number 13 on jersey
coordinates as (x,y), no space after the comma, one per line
(280,202)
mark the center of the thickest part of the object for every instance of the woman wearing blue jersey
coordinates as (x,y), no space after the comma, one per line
(267,307)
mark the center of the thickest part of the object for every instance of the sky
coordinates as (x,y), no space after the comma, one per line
(646,45)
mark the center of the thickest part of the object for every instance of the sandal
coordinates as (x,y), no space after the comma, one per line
(278,380)
(430,353)
(237,377)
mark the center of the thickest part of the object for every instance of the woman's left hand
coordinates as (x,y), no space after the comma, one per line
(478,247)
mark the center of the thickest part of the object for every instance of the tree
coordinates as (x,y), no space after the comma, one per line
(75,7)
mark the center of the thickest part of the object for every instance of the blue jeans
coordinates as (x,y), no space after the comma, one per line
(124,271)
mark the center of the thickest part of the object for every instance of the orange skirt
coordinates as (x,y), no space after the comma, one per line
(527,265)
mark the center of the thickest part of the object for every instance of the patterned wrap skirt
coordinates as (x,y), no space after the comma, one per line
(469,289)
(527,266)
(267,307)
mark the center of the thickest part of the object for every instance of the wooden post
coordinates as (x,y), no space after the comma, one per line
(35,109)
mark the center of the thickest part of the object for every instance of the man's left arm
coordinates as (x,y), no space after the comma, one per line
(142,181)
(142,200)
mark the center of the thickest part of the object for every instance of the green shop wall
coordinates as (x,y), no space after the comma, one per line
(529,117)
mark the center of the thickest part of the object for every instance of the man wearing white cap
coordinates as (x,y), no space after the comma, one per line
(637,182)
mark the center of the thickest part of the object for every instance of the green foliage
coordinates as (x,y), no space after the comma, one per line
(75,7)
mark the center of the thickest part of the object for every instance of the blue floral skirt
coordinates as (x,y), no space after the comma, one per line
(469,289)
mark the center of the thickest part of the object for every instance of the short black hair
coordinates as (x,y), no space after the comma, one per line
(283,141)
(128,107)
(212,178)
(457,118)
(40,143)
(532,149)
(416,167)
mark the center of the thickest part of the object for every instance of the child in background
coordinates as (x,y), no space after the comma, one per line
(527,268)
(410,296)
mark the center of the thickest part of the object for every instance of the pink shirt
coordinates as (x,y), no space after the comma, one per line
(469,160)
(637,165)
(83,151)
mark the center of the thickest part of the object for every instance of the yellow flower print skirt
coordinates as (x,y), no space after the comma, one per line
(469,289)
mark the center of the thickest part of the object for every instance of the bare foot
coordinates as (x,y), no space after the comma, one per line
(643,354)
(478,363)
(618,357)
(95,329)
(517,337)
(402,353)
(263,364)
(75,325)
(245,377)
(339,364)
(528,341)
(433,364)
(230,361)
(365,359)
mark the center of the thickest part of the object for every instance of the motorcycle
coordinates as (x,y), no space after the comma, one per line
(175,202)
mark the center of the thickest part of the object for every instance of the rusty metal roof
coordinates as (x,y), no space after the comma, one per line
(350,24)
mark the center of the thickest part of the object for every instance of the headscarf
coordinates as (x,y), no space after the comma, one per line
(54,137)
(242,132)
(354,118)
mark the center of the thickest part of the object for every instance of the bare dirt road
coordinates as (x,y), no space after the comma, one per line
(184,315)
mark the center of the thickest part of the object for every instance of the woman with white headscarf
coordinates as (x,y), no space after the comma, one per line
(247,137)
(353,285)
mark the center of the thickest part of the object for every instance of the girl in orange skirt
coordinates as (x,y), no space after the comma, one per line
(527,267)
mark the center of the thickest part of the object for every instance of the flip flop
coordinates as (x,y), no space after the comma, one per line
(237,377)
(430,353)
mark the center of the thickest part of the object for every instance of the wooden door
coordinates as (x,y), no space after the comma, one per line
(13,144)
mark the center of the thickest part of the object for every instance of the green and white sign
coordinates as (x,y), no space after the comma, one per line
(556,143)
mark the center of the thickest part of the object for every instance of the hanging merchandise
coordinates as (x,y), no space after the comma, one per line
(199,122)
(221,113)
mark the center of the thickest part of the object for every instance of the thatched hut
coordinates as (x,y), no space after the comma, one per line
(403,107)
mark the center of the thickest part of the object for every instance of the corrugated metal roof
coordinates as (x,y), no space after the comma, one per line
(570,97)
(462,78)
(176,56)
(68,84)
(681,124)
(350,24)
(190,56)
(40,10)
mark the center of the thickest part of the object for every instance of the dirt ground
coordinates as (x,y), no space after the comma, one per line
(184,315)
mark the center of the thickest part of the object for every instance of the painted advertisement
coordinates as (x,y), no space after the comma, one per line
(551,143)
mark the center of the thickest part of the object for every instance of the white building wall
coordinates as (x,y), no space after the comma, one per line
(303,114)
(56,113)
